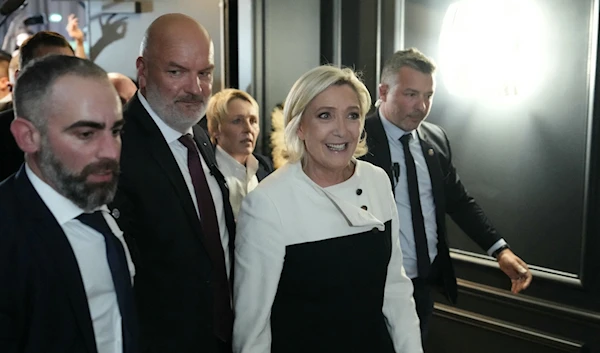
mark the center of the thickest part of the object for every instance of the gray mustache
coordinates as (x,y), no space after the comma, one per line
(191,99)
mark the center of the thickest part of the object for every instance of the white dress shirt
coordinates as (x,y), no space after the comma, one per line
(407,234)
(180,153)
(7,98)
(241,179)
(90,251)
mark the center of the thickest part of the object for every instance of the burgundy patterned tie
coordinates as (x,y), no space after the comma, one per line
(223,315)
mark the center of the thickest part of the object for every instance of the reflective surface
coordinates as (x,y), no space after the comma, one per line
(521,153)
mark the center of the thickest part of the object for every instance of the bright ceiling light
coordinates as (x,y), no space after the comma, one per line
(55,17)
(492,48)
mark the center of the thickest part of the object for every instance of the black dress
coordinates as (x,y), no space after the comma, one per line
(330,296)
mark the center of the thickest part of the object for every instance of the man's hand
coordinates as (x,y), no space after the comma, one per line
(516,269)
(73,29)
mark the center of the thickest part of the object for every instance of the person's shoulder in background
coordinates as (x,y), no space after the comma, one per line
(265,165)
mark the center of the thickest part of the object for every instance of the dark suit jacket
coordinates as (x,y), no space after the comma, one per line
(173,269)
(43,304)
(11,157)
(449,194)
(265,166)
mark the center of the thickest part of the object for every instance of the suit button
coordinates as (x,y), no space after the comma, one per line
(364,207)
(375,230)
(358,191)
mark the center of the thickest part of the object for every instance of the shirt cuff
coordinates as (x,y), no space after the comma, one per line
(496,246)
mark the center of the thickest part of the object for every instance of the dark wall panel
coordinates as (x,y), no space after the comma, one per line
(476,333)
(523,156)
(359,39)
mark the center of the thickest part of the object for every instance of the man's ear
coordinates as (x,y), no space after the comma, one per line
(4,83)
(140,65)
(384,88)
(26,135)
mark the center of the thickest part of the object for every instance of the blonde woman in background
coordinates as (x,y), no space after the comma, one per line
(234,126)
(318,264)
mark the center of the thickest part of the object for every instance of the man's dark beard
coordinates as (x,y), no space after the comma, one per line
(88,196)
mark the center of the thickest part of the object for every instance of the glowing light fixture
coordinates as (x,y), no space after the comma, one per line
(492,48)
(55,17)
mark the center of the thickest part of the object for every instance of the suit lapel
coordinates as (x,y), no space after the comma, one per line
(205,146)
(379,149)
(435,171)
(207,151)
(155,142)
(57,247)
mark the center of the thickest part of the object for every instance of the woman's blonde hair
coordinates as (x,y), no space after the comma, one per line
(306,88)
(216,110)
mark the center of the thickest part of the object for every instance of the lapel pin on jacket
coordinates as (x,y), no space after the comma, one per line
(116,213)
(430,152)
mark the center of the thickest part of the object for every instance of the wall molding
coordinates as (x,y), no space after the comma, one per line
(502,327)
(566,278)
(531,303)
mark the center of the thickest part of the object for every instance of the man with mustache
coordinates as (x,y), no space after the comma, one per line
(172,199)
(65,270)
(416,155)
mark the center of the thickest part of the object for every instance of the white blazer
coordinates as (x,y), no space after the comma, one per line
(289,208)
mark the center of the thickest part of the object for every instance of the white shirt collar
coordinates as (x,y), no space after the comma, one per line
(168,132)
(232,165)
(355,216)
(393,131)
(7,98)
(63,209)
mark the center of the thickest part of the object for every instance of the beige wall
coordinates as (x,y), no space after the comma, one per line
(121,54)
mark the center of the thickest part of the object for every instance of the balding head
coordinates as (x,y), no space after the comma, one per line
(124,86)
(169,28)
(175,70)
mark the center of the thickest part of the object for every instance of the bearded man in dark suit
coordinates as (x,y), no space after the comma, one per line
(65,271)
(172,199)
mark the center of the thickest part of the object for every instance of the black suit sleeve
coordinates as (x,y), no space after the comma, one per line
(265,162)
(9,281)
(463,208)
(11,157)
(124,206)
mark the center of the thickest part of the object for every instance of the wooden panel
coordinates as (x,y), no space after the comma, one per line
(456,330)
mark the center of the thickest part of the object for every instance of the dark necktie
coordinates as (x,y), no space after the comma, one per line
(223,315)
(117,262)
(423,261)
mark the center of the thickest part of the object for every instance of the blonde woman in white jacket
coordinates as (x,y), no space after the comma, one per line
(318,265)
